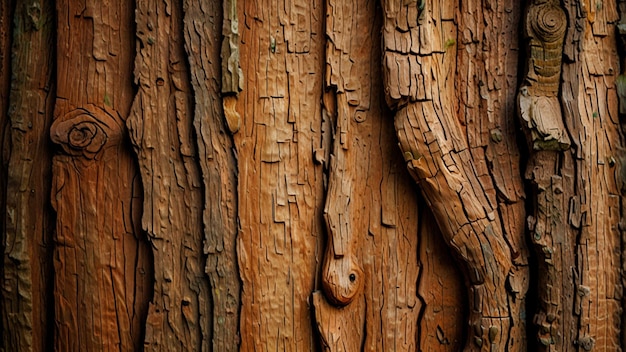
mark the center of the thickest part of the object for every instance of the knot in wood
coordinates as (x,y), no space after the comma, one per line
(548,22)
(586,343)
(84,131)
(342,280)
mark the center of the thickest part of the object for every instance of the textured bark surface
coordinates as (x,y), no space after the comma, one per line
(458,143)
(161,129)
(223,175)
(370,263)
(28,221)
(101,262)
(219,169)
(592,174)
(280,184)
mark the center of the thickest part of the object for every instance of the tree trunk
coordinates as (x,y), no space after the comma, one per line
(206,175)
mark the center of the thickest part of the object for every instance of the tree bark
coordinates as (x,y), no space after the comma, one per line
(101,262)
(161,130)
(280,184)
(219,168)
(459,146)
(28,222)
(223,175)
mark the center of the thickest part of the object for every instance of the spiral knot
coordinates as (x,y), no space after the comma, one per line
(548,22)
(84,131)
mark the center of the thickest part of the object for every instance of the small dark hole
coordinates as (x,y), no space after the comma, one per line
(352,277)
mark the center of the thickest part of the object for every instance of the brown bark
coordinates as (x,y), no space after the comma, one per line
(280,186)
(161,130)
(218,165)
(101,262)
(28,223)
(591,173)
(276,210)
(458,144)
(371,271)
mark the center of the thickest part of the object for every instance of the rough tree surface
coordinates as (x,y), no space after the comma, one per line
(312,175)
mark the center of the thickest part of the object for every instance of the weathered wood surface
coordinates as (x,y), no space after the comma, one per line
(276,210)
(577,188)
(541,117)
(371,274)
(592,179)
(458,143)
(101,261)
(280,185)
(161,129)
(27,220)
(219,169)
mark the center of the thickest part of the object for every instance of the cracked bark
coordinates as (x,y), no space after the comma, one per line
(219,174)
(371,270)
(28,222)
(161,129)
(459,146)
(591,174)
(101,262)
(280,185)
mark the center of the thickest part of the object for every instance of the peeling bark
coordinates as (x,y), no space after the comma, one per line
(219,173)
(161,130)
(101,262)
(591,174)
(542,121)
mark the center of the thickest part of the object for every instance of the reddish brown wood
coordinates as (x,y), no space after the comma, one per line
(280,185)
(161,130)
(277,211)
(458,143)
(591,174)
(101,261)
(27,220)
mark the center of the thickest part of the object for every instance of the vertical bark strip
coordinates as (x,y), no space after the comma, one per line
(161,129)
(370,264)
(218,165)
(102,270)
(6,17)
(542,120)
(6,21)
(458,146)
(592,173)
(280,186)
(28,222)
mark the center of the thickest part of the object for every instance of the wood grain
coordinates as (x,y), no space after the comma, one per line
(371,268)
(219,170)
(101,261)
(592,176)
(28,221)
(161,129)
(280,184)
(458,145)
